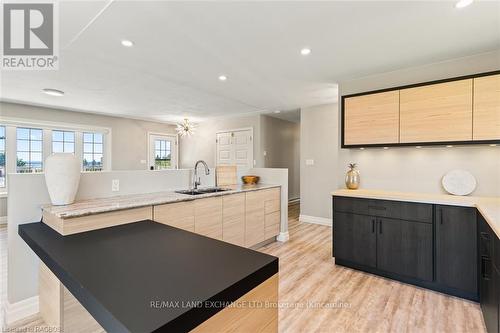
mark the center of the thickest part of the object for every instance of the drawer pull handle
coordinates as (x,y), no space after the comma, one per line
(373,226)
(485,273)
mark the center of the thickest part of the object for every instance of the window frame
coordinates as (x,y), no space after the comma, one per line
(93,153)
(174,149)
(47,127)
(63,141)
(4,151)
(30,151)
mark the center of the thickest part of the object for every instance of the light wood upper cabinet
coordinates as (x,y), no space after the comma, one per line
(233,219)
(179,215)
(372,119)
(208,217)
(436,113)
(486,114)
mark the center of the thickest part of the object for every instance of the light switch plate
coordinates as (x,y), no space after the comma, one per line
(309,162)
(115,185)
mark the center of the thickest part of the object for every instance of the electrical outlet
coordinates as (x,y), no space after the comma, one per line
(115,185)
(309,162)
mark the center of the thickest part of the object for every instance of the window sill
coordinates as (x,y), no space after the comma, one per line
(3,194)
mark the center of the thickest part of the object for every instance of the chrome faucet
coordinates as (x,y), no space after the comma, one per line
(196,179)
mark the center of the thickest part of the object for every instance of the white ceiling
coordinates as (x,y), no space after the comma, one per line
(182,47)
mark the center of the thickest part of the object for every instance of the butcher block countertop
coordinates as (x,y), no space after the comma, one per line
(103,205)
(489,207)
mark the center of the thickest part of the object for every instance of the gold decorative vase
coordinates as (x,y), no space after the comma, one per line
(352,177)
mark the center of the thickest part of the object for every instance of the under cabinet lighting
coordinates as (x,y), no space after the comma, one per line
(305,51)
(463,3)
(386,148)
(127,43)
(449,146)
(493,145)
(361,148)
(53,92)
(418,147)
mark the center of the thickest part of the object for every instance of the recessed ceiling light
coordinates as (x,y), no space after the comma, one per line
(222,77)
(305,51)
(463,3)
(277,111)
(449,146)
(127,43)
(53,92)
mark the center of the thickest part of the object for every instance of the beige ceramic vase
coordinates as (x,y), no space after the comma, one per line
(352,177)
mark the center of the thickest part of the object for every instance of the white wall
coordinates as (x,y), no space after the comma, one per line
(318,142)
(401,169)
(129,136)
(280,141)
(201,146)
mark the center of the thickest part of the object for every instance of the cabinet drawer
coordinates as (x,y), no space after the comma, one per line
(350,205)
(486,238)
(272,224)
(401,210)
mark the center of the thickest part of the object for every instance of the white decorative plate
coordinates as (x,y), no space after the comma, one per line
(459,182)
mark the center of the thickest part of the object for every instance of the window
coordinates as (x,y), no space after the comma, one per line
(2,156)
(63,142)
(162,152)
(92,151)
(29,150)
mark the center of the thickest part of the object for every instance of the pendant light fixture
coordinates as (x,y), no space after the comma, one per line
(186,128)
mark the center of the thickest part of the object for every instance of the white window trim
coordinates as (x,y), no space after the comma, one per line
(47,126)
(175,136)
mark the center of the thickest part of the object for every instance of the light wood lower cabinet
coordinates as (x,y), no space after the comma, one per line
(233,219)
(260,215)
(208,217)
(179,215)
(487,108)
(436,113)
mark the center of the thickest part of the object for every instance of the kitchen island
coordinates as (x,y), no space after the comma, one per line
(151,277)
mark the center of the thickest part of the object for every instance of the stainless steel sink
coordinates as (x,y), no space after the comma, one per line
(202,190)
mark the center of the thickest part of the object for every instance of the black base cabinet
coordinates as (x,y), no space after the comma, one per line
(427,245)
(489,277)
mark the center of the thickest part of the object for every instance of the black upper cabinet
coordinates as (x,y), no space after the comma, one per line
(354,239)
(405,248)
(456,249)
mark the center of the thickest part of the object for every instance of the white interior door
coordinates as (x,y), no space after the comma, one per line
(162,152)
(235,148)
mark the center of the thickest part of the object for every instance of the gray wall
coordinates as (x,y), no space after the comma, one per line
(280,140)
(129,136)
(400,169)
(201,146)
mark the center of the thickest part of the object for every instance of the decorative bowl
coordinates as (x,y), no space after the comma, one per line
(250,179)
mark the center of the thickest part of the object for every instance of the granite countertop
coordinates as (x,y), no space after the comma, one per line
(103,205)
(489,207)
(116,273)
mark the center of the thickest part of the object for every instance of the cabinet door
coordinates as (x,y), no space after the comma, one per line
(179,215)
(488,284)
(405,248)
(208,217)
(254,218)
(354,239)
(436,113)
(372,119)
(487,108)
(456,248)
(233,219)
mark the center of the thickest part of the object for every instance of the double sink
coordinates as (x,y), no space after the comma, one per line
(203,190)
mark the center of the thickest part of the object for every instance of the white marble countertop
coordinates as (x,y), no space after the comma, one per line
(489,207)
(103,205)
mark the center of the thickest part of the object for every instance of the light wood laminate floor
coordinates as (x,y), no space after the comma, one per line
(317,296)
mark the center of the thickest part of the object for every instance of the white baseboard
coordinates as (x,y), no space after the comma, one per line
(315,220)
(283,237)
(20,310)
(3,219)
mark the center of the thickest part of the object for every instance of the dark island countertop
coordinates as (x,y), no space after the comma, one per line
(122,274)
